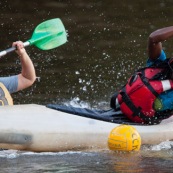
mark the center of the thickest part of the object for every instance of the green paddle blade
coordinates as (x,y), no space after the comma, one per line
(49,34)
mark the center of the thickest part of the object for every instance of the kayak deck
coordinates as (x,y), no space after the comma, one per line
(104,115)
(38,128)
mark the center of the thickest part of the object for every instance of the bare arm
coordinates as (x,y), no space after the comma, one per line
(155,41)
(27,76)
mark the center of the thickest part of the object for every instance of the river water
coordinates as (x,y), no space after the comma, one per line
(106,42)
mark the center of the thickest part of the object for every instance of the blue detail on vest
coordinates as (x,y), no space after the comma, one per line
(166,99)
(160,59)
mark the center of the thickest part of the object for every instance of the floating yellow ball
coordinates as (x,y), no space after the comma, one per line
(124,138)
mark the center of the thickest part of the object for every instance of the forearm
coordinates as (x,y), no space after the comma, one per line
(28,70)
(27,76)
(155,41)
(161,35)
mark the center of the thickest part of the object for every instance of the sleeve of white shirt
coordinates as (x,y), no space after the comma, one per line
(11,83)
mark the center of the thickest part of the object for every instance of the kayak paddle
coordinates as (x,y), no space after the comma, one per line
(47,35)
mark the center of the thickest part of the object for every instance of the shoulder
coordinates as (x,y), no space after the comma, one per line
(159,60)
(10,83)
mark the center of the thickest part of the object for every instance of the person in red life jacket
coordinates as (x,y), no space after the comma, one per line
(147,94)
(18,82)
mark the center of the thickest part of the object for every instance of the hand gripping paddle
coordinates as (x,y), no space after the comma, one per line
(47,35)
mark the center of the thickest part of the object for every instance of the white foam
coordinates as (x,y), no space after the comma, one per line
(12,154)
(76,102)
(166,145)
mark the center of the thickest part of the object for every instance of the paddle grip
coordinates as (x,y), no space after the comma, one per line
(11,49)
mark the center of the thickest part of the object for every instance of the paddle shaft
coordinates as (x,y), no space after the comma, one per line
(11,49)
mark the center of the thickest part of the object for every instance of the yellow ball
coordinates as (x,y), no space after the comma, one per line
(124,138)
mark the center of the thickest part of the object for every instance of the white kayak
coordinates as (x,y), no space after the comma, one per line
(37,128)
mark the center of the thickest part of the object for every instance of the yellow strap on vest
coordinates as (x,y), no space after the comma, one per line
(5,97)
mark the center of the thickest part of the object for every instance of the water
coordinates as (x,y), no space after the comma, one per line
(147,160)
(107,42)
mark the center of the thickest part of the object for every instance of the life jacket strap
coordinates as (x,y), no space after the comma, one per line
(113,100)
(148,85)
(136,111)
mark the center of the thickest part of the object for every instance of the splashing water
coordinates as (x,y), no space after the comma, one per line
(76,102)
(166,145)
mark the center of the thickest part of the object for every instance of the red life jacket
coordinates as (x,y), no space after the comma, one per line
(136,98)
